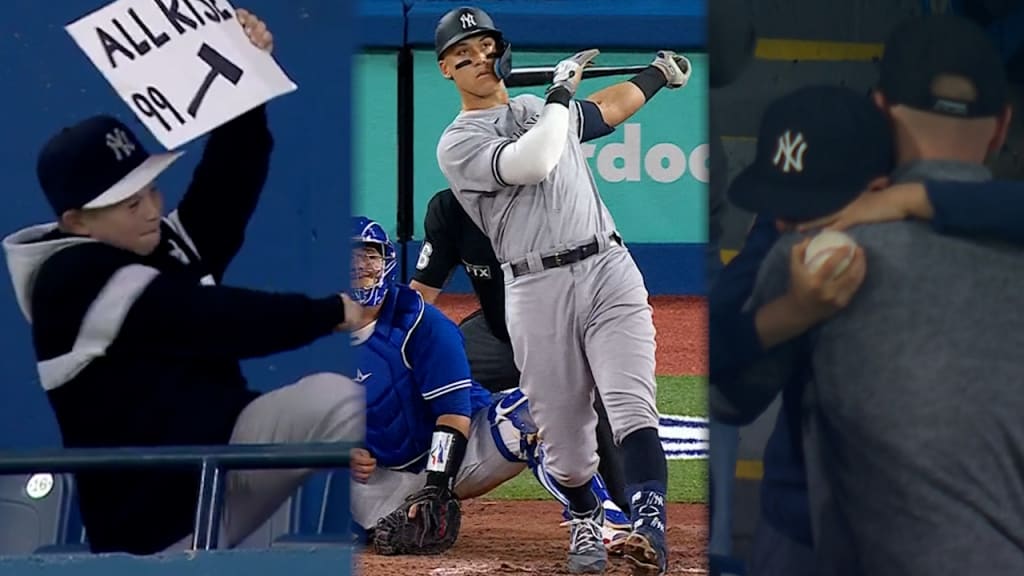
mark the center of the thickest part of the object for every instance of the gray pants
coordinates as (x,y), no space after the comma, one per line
(483,469)
(318,408)
(494,367)
(775,554)
(573,328)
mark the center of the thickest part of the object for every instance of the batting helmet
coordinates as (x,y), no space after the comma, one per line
(467,21)
(367,233)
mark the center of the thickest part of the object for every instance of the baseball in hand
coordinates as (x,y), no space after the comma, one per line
(824,245)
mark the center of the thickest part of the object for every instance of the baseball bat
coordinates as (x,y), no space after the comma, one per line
(542,75)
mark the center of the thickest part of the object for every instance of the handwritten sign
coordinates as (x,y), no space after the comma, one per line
(183,66)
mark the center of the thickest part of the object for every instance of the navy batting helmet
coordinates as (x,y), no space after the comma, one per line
(465,22)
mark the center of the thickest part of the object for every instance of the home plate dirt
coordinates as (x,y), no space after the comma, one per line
(524,537)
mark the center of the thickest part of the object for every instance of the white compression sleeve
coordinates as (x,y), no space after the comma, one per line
(530,159)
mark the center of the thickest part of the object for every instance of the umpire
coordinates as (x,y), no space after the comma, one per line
(452,239)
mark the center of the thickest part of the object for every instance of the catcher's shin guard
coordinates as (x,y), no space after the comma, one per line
(512,428)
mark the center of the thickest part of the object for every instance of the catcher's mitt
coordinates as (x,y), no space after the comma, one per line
(432,531)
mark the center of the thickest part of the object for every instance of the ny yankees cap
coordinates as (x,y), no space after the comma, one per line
(818,148)
(95,163)
(922,50)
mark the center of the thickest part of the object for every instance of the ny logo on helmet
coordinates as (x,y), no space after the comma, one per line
(790,152)
(119,143)
(468,20)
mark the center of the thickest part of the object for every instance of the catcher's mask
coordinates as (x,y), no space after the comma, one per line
(373,262)
(465,22)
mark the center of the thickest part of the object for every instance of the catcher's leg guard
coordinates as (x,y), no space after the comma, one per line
(512,427)
(615,523)
(614,516)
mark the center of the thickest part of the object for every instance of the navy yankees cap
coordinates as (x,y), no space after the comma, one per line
(818,148)
(922,50)
(95,163)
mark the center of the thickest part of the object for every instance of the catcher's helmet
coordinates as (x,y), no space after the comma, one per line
(467,21)
(367,233)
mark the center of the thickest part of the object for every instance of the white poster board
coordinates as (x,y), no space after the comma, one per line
(183,66)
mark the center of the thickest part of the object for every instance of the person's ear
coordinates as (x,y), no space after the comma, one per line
(75,222)
(444,69)
(1002,129)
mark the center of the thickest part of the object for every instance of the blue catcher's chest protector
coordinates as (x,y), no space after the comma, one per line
(398,420)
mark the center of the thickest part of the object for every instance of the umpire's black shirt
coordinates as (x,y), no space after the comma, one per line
(451,239)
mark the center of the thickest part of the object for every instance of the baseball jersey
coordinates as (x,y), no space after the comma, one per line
(562,211)
(413,366)
(144,350)
(452,239)
(914,437)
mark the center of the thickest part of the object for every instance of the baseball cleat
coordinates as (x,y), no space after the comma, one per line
(587,554)
(612,535)
(614,517)
(613,538)
(645,550)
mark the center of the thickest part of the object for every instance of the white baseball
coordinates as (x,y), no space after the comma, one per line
(824,245)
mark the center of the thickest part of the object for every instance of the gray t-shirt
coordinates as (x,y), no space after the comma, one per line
(562,211)
(914,420)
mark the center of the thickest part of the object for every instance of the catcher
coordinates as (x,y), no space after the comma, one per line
(434,436)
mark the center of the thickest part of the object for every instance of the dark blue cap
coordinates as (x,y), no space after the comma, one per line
(922,49)
(817,149)
(95,163)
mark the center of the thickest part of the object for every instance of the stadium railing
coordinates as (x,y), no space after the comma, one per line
(211,461)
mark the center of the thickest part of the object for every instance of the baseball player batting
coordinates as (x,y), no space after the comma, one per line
(434,436)
(577,307)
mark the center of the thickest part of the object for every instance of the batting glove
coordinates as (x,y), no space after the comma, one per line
(675,67)
(568,72)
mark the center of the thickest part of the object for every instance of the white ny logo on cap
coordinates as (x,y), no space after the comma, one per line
(119,143)
(468,20)
(791,151)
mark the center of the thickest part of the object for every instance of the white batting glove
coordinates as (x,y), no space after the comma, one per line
(675,67)
(568,72)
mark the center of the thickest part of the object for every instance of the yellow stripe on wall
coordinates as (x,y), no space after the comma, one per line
(816,50)
(749,469)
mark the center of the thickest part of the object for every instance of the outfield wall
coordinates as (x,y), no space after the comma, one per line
(652,171)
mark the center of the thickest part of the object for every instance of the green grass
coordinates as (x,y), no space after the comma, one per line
(687,479)
(683,395)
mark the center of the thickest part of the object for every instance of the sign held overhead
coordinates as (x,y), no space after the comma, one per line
(184,67)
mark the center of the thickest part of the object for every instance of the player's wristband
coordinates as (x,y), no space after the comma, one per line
(559,95)
(649,81)
(447,450)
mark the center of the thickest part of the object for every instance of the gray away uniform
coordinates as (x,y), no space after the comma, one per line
(914,435)
(574,326)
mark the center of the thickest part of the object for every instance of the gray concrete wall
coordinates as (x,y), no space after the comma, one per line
(738,107)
